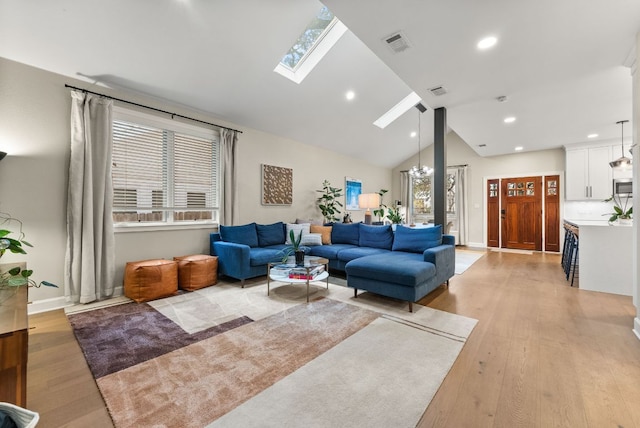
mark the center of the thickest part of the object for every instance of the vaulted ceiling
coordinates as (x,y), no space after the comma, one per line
(563,65)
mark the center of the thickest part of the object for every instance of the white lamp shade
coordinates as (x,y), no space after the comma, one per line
(369,200)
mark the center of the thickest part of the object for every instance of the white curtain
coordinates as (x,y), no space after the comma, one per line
(90,259)
(462,205)
(229,212)
(406,195)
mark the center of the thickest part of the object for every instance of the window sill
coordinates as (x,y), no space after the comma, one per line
(161,227)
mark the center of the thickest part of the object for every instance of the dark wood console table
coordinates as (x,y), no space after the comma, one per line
(14,344)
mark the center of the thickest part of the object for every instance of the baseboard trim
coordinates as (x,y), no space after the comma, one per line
(636,327)
(46,305)
(479,245)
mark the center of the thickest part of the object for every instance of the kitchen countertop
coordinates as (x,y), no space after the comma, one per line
(580,223)
(605,258)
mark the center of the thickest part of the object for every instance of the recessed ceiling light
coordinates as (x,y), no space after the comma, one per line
(592,136)
(509,119)
(350,95)
(519,149)
(487,42)
(413,134)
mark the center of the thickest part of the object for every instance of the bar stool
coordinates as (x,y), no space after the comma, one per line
(570,252)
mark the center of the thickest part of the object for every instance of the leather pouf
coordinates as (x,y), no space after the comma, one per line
(150,279)
(197,271)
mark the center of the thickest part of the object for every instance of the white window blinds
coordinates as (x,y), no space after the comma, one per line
(163,175)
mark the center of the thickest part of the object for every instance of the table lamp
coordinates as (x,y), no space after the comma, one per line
(368,201)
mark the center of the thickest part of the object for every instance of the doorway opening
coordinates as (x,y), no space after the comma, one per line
(524,212)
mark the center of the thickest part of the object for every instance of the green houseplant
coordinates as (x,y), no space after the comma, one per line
(621,211)
(328,202)
(380,211)
(15,277)
(394,216)
(295,248)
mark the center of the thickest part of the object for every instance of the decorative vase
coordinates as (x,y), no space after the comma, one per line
(299,258)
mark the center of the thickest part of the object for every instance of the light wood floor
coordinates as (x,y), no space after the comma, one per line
(542,355)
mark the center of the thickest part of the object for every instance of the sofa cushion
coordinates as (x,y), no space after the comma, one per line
(407,269)
(297,230)
(349,254)
(245,234)
(270,234)
(416,240)
(342,233)
(262,256)
(329,251)
(311,239)
(376,236)
(325,231)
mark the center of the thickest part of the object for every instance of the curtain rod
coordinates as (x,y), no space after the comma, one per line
(448,166)
(152,108)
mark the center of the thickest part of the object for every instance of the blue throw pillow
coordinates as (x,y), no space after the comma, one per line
(345,233)
(376,236)
(417,240)
(245,234)
(270,234)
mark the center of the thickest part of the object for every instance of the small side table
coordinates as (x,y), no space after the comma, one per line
(310,263)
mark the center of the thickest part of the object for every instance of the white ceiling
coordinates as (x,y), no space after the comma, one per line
(560,63)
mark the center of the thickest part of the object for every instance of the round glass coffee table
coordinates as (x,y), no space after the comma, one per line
(314,269)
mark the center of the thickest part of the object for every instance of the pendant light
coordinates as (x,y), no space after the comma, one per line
(622,162)
(420,171)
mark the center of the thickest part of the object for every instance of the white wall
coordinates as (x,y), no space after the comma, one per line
(34,131)
(480,168)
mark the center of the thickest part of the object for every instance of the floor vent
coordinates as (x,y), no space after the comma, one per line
(397,42)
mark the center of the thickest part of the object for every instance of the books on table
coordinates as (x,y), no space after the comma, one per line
(285,271)
(302,273)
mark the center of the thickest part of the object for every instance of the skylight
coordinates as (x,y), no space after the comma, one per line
(312,45)
(398,110)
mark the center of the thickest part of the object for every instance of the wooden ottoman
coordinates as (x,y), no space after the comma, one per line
(150,279)
(197,271)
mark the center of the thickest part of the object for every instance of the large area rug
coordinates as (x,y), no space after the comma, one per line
(465,258)
(228,357)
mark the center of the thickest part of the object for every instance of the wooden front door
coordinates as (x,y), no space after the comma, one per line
(521,213)
(552,213)
(493,213)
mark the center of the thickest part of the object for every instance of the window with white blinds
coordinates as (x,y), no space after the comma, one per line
(163,172)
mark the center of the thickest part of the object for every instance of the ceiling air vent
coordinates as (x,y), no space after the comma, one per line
(438,90)
(397,42)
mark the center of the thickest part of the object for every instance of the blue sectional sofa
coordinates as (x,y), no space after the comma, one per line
(406,264)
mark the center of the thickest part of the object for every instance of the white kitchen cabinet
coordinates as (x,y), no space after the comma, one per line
(588,174)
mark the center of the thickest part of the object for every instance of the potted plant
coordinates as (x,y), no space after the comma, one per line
(295,248)
(380,211)
(328,202)
(394,216)
(15,277)
(622,213)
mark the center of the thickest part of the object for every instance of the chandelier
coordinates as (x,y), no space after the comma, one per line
(622,162)
(420,171)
